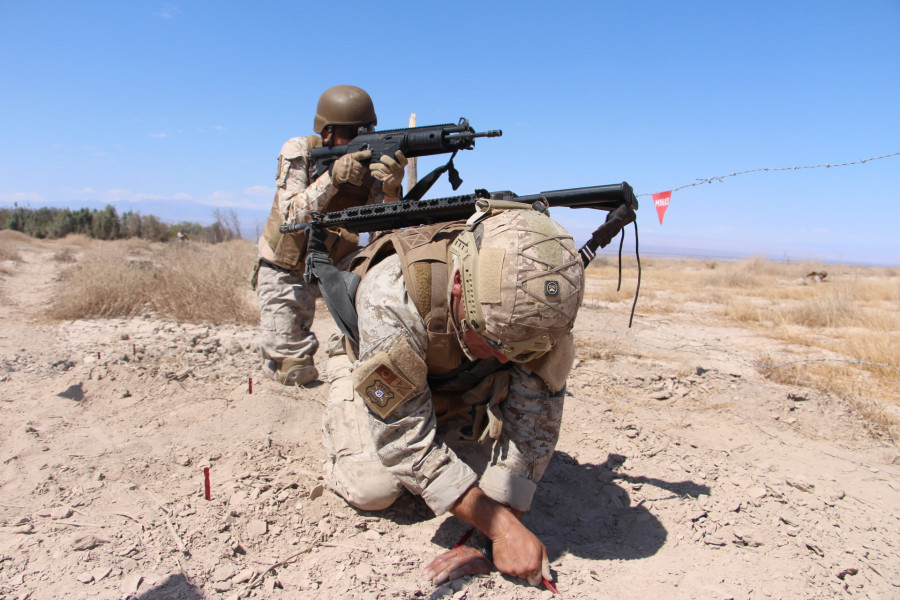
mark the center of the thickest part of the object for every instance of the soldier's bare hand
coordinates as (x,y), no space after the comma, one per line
(519,553)
(457,562)
(349,168)
(390,172)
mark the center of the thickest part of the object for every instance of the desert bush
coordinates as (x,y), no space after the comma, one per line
(64,256)
(9,252)
(195,284)
(206,284)
(102,285)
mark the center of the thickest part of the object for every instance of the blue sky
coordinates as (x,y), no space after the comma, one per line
(177,108)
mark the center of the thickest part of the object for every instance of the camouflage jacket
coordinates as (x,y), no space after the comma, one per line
(407,440)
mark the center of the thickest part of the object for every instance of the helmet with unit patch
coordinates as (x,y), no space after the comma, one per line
(522,279)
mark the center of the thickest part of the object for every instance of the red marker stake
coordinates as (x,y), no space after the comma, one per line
(549,585)
(250,389)
(464,538)
(206,482)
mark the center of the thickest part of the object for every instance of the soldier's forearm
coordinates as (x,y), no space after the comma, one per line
(479,510)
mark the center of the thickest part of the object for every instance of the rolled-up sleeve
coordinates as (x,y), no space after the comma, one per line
(531,420)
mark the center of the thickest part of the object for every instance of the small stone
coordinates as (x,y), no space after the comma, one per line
(131,584)
(87,542)
(223,572)
(257,527)
(816,549)
(748,538)
(183,459)
(800,484)
(244,576)
(61,512)
(85,577)
(316,492)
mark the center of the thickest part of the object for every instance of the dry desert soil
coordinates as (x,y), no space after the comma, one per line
(681,471)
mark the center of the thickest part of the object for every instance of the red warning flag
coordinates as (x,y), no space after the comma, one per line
(661,200)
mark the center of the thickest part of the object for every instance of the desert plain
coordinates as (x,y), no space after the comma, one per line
(738,441)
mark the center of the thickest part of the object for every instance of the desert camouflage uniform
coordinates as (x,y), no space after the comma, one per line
(371,460)
(287,304)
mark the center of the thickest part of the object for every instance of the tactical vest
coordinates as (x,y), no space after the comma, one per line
(424,261)
(426,266)
(288,251)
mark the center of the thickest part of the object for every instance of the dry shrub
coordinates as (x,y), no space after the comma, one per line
(101,286)
(195,284)
(743,311)
(9,253)
(748,273)
(201,284)
(9,245)
(64,256)
(835,306)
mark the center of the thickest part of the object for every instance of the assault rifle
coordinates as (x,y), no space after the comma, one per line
(618,199)
(415,141)
(339,287)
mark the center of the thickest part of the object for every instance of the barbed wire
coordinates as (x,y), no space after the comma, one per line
(772,169)
(739,355)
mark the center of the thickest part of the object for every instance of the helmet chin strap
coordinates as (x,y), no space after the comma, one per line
(458,326)
(327,135)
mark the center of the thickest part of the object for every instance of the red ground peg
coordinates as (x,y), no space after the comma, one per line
(206,482)
(250,386)
(549,585)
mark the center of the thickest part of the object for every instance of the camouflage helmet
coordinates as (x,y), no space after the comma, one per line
(522,278)
(344,105)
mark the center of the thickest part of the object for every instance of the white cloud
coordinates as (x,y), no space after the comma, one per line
(259,191)
(227,199)
(159,135)
(219,128)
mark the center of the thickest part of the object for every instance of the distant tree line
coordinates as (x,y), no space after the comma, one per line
(107,224)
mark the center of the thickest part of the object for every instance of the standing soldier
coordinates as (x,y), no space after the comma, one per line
(287,302)
(469,319)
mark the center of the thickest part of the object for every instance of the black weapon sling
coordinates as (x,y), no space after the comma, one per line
(338,288)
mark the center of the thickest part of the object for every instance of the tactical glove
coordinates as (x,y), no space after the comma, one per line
(349,169)
(390,172)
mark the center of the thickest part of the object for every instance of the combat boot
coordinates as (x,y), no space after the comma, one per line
(296,371)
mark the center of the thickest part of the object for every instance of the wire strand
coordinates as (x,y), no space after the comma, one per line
(772,169)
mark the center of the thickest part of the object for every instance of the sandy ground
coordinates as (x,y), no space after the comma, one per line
(680,473)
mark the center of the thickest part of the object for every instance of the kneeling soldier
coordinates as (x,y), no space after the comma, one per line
(460,319)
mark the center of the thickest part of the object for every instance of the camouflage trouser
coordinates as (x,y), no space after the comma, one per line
(353,469)
(287,306)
